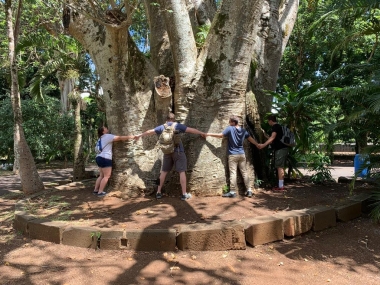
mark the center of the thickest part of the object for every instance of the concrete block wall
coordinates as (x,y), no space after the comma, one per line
(203,237)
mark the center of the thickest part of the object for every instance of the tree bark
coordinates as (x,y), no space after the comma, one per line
(30,179)
(65,86)
(79,168)
(276,24)
(127,81)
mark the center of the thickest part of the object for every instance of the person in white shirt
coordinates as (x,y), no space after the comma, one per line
(104,158)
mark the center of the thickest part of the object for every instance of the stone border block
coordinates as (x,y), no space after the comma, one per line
(263,229)
(86,237)
(46,230)
(349,211)
(323,217)
(216,236)
(150,239)
(111,239)
(366,200)
(20,222)
(295,222)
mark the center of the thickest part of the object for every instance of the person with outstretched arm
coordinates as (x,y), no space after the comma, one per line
(236,155)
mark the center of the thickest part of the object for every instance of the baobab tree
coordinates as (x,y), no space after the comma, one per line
(239,58)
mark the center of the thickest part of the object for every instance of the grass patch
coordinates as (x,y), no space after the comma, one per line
(53,205)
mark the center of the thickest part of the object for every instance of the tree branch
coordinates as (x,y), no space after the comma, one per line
(182,41)
(18,20)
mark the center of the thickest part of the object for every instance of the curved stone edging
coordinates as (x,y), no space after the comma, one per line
(200,237)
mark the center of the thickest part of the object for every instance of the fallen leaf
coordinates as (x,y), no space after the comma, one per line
(193,257)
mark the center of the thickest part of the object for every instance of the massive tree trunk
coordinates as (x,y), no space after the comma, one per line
(276,24)
(30,179)
(210,85)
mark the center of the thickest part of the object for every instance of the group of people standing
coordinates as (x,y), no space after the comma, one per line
(236,155)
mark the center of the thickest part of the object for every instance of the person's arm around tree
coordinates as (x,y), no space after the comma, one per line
(250,139)
(195,131)
(146,133)
(123,138)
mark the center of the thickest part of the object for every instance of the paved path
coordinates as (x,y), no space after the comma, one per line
(336,171)
(11,183)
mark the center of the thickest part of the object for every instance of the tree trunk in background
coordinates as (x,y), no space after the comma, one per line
(79,168)
(30,179)
(276,24)
(65,86)
(210,85)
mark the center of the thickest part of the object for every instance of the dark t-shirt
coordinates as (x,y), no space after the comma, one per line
(277,144)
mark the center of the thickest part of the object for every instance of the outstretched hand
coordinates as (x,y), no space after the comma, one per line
(136,137)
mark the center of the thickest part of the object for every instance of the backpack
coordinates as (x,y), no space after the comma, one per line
(98,146)
(169,139)
(288,137)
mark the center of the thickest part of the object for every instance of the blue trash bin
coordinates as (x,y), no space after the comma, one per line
(359,162)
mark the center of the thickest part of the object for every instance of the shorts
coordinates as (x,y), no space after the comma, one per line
(103,162)
(280,156)
(178,159)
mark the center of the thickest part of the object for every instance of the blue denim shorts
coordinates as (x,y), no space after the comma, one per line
(103,162)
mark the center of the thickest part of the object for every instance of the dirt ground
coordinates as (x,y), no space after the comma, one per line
(346,254)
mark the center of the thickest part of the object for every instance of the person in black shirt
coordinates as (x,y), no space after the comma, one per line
(280,150)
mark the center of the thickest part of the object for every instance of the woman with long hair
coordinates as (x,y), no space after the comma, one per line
(104,158)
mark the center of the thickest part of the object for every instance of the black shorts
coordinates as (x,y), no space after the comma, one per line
(103,162)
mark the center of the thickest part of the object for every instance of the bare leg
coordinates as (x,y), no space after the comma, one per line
(106,171)
(182,180)
(162,180)
(97,183)
(281,173)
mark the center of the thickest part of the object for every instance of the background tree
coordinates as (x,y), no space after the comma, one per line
(30,180)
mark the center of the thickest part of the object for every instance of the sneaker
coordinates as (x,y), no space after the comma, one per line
(158,195)
(278,189)
(95,193)
(185,196)
(102,194)
(229,195)
(249,194)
